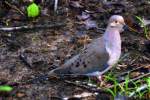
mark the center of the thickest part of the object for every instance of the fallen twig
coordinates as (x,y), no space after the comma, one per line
(56,5)
(91,89)
(24,60)
(29,27)
(142,76)
(127,72)
(75,97)
(14,7)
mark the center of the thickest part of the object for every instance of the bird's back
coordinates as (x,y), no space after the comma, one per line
(92,58)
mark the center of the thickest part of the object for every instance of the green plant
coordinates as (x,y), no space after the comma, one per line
(115,83)
(125,88)
(148,82)
(33,10)
(5,88)
(144,26)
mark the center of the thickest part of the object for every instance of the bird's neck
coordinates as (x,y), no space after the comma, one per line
(113,44)
(112,36)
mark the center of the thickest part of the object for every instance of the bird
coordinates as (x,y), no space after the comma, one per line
(99,56)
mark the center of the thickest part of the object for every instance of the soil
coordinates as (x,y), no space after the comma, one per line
(27,54)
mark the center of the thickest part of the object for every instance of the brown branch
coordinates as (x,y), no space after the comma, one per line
(30,27)
(141,76)
(14,7)
(89,88)
(129,71)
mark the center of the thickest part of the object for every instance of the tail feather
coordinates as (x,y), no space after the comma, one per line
(60,71)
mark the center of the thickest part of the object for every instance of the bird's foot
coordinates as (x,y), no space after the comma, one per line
(100,78)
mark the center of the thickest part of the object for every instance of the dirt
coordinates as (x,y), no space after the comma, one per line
(27,54)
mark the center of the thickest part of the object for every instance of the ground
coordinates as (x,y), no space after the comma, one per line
(27,54)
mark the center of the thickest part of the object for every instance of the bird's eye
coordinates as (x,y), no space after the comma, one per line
(116,21)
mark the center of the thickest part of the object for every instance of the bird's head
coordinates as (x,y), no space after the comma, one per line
(117,22)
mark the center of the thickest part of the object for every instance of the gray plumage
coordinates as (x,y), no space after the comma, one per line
(98,56)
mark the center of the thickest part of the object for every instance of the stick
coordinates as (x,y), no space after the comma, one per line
(14,7)
(55,5)
(124,73)
(91,89)
(29,27)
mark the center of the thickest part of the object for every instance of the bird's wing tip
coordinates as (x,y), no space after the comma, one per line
(52,73)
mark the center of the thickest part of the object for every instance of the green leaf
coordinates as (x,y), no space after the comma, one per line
(6,88)
(111,92)
(33,10)
(148,81)
(144,26)
(126,83)
(141,20)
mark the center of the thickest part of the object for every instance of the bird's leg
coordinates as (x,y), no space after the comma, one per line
(100,76)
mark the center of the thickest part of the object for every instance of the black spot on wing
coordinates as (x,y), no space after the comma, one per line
(77,64)
(84,64)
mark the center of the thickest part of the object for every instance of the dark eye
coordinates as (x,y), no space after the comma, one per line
(116,21)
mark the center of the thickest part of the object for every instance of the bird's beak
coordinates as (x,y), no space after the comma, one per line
(125,27)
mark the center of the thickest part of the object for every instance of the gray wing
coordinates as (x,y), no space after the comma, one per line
(92,58)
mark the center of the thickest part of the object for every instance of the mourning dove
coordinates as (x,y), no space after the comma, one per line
(98,56)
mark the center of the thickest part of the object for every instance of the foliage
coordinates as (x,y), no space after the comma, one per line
(126,88)
(5,88)
(144,26)
(33,10)
(148,82)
